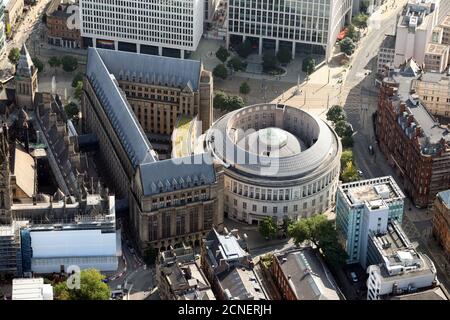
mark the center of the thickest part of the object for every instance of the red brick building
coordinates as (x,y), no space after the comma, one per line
(413,142)
(441,221)
(61,30)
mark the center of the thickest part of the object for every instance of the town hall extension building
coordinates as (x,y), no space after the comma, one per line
(170,200)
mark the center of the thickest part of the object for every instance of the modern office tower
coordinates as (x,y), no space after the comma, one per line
(414,30)
(365,206)
(160,27)
(414,143)
(300,25)
(396,268)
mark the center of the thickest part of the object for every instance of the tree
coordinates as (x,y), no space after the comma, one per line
(244,88)
(78,77)
(71,110)
(244,49)
(284,55)
(236,64)
(222,54)
(150,255)
(268,228)
(14,56)
(54,62)
(92,287)
(308,65)
(269,61)
(349,174)
(69,63)
(364,6)
(360,20)
(346,157)
(335,114)
(352,33)
(78,90)
(8,30)
(220,71)
(343,129)
(234,103)
(220,100)
(322,233)
(347,142)
(38,64)
(347,46)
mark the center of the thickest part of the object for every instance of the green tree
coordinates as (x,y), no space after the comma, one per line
(268,228)
(69,63)
(54,62)
(236,64)
(352,33)
(78,90)
(150,255)
(14,56)
(222,54)
(346,157)
(38,64)
(244,88)
(244,49)
(349,174)
(360,20)
(220,71)
(269,62)
(220,100)
(364,6)
(308,65)
(343,129)
(347,46)
(8,30)
(92,287)
(77,78)
(347,142)
(335,114)
(71,110)
(234,103)
(284,55)
(322,233)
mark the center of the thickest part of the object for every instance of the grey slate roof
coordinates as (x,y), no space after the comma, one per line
(176,174)
(123,120)
(164,71)
(25,65)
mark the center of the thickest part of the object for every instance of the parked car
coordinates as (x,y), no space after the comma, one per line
(360,173)
(354,277)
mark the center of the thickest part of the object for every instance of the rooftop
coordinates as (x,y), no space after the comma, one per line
(434,48)
(388,42)
(242,284)
(444,196)
(437,293)
(31,289)
(372,190)
(398,254)
(308,276)
(446,22)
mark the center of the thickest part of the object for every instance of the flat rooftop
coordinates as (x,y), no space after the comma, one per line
(309,277)
(446,22)
(31,289)
(437,49)
(372,190)
(242,284)
(388,42)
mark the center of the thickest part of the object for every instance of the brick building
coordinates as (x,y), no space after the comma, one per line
(441,221)
(413,142)
(61,31)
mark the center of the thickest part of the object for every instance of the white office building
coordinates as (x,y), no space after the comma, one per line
(157,27)
(300,25)
(396,268)
(415,30)
(365,206)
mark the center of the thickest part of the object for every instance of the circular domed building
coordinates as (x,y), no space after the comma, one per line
(279,161)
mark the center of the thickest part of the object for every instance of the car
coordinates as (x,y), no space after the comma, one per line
(131,250)
(360,173)
(353,276)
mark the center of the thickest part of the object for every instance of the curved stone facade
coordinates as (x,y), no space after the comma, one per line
(279,161)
